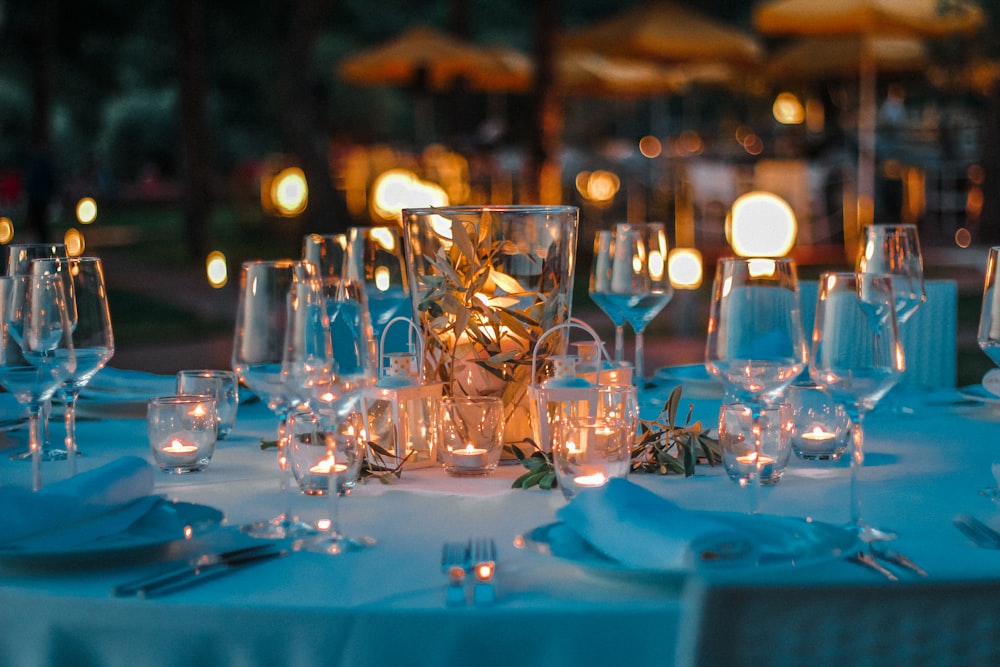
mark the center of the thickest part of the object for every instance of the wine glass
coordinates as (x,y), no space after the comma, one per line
(20,255)
(755,343)
(340,427)
(988,336)
(262,321)
(629,281)
(600,288)
(36,349)
(894,249)
(376,259)
(857,356)
(93,339)
(19,259)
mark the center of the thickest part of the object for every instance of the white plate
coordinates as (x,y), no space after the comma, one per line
(976,392)
(694,378)
(779,542)
(148,536)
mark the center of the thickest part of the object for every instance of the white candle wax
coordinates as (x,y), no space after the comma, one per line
(817,434)
(470,457)
(592,480)
(766,463)
(177,447)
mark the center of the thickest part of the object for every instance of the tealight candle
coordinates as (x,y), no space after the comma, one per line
(817,434)
(736,440)
(470,434)
(182,430)
(176,446)
(593,480)
(822,427)
(587,452)
(470,457)
(327,467)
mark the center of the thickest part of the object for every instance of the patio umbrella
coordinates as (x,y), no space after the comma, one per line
(665,32)
(868,19)
(425,56)
(812,58)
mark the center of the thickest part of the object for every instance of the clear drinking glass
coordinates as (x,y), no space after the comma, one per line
(755,345)
(339,430)
(220,384)
(376,258)
(18,261)
(629,278)
(93,338)
(857,356)
(989,316)
(37,349)
(263,316)
(894,249)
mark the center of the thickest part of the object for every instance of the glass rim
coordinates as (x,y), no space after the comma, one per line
(498,208)
(181,399)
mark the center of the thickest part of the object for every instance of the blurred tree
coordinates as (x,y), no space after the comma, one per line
(195,139)
(40,171)
(302,104)
(541,181)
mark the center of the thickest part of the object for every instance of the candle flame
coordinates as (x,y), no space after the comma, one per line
(596,479)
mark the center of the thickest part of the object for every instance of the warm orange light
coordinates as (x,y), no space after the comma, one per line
(787,109)
(6,230)
(216,269)
(290,192)
(73,238)
(397,189)
(650,146)
(86,210)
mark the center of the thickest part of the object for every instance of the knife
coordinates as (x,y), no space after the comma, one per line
(221,562)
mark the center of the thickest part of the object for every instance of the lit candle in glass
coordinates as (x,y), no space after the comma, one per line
(817,434)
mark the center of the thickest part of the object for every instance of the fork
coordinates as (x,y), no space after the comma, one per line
(484,565)
(454,562)
(977,531)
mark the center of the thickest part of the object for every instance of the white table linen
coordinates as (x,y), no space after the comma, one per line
(387,605)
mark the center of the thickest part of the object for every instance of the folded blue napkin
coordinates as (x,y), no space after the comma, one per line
(96,503)
(642,530)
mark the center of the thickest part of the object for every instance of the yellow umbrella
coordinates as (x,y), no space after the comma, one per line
(422,55)
(869,19)
(924,18)
(812,58)
(665,32)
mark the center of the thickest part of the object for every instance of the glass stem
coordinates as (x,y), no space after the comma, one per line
(284,470)
(620,342)
(640,361)
(857,463)
(35,444)
(334,508)
(756,431)
(69,419)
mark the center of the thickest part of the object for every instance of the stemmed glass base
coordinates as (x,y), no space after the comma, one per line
(279,528)
(334,545)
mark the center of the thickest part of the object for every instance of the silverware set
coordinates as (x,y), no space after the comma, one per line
(878,557)
(475,560)
(205,568)
(978,532)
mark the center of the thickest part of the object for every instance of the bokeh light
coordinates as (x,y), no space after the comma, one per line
(598,187)
(216,269)
(86,210)
(75,243)
(787,109)
(397,189)
(685,268)
(761,224)
(650,146)
(6,230)
(289,192)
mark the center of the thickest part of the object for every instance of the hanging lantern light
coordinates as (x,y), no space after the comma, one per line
(400,410)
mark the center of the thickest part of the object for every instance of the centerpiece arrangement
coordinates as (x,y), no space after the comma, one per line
(486,282)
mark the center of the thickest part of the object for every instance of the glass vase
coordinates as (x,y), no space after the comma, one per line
(486,282)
